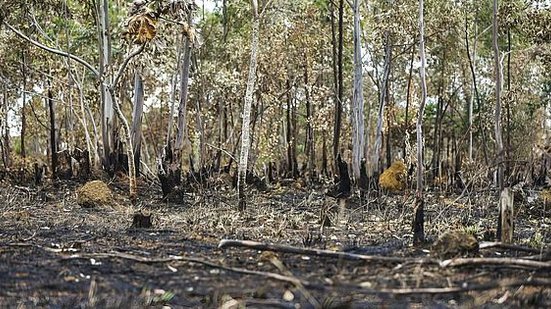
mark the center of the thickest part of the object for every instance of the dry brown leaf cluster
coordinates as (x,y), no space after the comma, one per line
(142,28)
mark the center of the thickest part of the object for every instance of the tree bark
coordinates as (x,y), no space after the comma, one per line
(5,133)
(290,136)
(172,99)
(472,66)
(419,220)
(245,134)
(408,99)
(437,145)
(108,112)
(170,165)
(53,135)
(23,114)
(137,113)
(358,131)
(473,87)
(310,145)
(507,154)
(340,78)
(382,101)
(497,116)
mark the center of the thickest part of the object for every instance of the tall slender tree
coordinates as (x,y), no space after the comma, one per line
(358,98)
(245,134)
(497,115)
(383,97)
(108,111)
(419,217)
(340,82)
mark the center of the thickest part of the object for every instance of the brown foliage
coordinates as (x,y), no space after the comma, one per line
(394,177)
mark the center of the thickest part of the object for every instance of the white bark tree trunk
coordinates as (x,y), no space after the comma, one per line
(182,109)
(497,119)
(382,101)
(473,89)
(418,221)
(108,112)
(137,113)
(497,116)
(358,143)
(245,134)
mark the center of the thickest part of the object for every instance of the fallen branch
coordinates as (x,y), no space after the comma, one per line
(495,261)
(500,245)
(226,243)
(126,256)
(358,288)
(511,262)
(470,288)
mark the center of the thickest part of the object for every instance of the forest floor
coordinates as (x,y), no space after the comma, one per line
(56,254)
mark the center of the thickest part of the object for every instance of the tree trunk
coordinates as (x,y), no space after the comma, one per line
(507,154)
(23,114)
(309,149)
(172,99)
(474,90)
(437,145)
(497,116)
(358,131)
(382,101)
(290,136)
(245,142)
(137,113)
(53,135)
(408,99)
(5,132)
(108,112)
(170,167)
(339,99)
(472,65)
(388,142)
(419,218)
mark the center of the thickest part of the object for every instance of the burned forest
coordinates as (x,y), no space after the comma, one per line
(275,154)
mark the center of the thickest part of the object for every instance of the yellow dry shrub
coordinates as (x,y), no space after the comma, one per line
(94,193)
(394,177)
(546,195)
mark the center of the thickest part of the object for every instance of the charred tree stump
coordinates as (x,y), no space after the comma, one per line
(39,171)
(343,188)
(170,173)
(419,221)
(506,216)
(141,221)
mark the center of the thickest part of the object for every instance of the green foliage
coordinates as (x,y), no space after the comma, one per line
(295,63)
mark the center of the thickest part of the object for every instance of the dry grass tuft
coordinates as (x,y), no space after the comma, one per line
(394,177)
(93,194)
(455,243)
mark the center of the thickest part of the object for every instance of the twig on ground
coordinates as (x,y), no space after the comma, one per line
(359,288)
(226,243)
(279,265)
(146,260)
(268,303)
(496,261)
(25,189)
(500,245)
(470,288)
(508,262)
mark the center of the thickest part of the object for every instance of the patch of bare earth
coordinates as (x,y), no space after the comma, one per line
(55,253)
